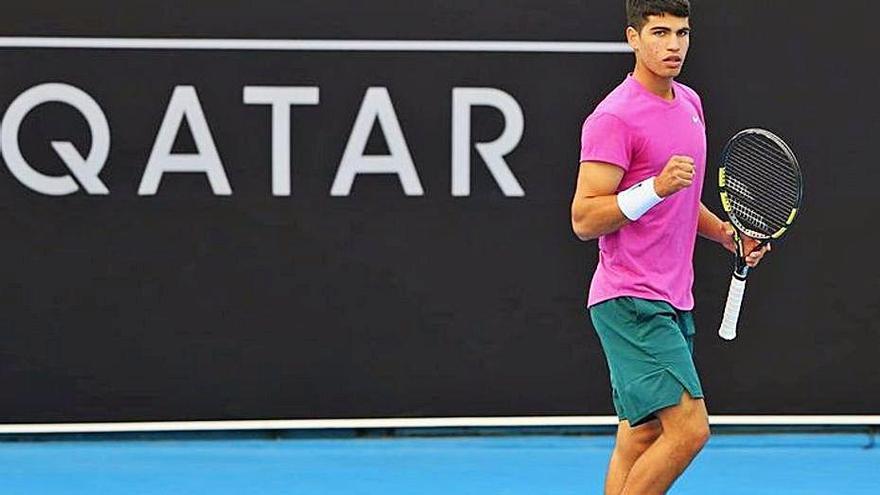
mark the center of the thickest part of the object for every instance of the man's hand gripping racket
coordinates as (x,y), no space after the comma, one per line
(761,190)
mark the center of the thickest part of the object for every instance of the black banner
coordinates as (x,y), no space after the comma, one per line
(276,233)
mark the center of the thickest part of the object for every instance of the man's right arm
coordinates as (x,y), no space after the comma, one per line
(595,209)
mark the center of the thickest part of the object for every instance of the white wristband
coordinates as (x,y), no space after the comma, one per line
(638,199)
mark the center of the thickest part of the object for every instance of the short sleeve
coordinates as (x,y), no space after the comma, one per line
(605,138)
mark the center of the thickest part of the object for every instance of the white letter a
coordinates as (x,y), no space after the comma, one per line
(376,106)
(184,104)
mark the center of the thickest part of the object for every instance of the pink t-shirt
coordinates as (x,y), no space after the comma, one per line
(651,258)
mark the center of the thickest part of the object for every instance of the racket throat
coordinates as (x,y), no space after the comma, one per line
(740,268)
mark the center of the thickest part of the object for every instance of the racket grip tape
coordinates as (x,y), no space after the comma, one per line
(731,309)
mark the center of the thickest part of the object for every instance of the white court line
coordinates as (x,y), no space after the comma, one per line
(316,45)
(475,422)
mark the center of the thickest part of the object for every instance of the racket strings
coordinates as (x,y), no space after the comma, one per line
(764,161)
(784,182)
(763,184)
(743,199)
(769,218)
(759,216)
(751,217)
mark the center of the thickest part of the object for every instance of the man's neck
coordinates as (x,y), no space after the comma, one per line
(660,86)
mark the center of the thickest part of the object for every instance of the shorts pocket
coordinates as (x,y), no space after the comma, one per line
(632,307)
(686,323)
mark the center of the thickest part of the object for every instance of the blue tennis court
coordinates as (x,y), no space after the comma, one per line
(511,465)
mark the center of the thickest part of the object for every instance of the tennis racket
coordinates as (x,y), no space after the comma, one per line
(761,190)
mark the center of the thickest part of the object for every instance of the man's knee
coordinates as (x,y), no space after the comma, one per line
(696,434)
(689,437)
(687,424)
(632,442)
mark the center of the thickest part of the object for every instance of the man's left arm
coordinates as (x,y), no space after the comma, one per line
(713,228)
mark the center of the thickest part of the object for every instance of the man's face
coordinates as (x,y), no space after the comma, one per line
(662,44)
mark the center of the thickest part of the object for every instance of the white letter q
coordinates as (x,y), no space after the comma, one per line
(85,170)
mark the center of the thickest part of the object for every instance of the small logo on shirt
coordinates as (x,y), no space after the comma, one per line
(696,119)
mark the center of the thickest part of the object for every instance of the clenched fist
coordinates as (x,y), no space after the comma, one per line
(677,175)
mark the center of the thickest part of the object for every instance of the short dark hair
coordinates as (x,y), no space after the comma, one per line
(638,11)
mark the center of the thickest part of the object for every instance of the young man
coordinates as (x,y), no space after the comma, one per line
(643,161)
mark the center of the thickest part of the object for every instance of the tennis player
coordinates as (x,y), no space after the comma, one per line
(642,164)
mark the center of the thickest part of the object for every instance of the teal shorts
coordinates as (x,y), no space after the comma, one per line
(649,346)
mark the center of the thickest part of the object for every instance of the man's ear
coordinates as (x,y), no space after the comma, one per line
(632,37)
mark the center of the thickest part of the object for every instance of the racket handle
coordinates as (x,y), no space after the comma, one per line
(731,309)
